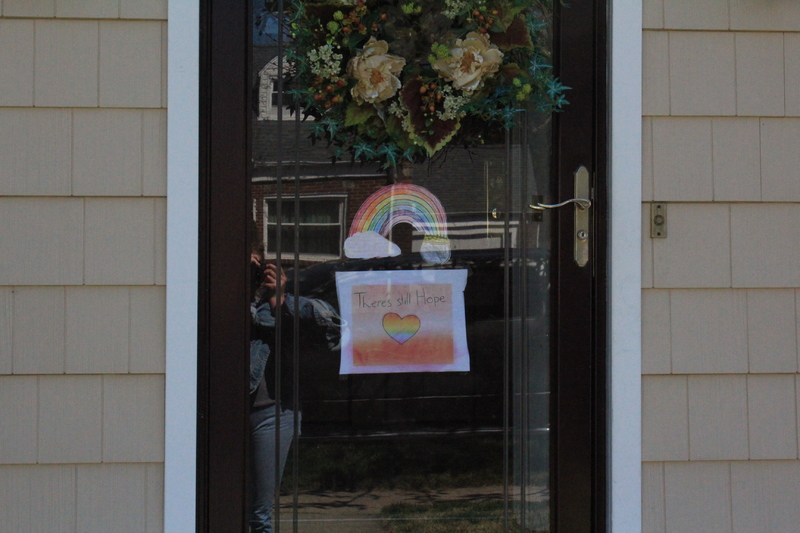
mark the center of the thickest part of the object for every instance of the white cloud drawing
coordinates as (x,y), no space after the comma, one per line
(369,244)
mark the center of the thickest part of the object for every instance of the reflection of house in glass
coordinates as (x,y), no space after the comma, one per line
(471,191)
(469,183)
(267,95)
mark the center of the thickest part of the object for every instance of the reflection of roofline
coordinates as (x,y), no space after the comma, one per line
(271,68)
(304,177)
(265,171)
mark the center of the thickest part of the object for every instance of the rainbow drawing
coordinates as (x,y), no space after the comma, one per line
(402,202)
(411,204)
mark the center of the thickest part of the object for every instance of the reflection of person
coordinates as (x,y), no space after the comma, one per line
(315,316)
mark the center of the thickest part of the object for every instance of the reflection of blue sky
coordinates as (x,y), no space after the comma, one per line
(265,24)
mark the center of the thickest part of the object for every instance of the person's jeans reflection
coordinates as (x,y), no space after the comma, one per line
(321,325)
(263,462)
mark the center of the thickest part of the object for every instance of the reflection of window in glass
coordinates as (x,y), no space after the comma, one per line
(321,221)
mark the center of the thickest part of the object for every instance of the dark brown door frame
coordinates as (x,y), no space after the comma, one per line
(579,302)
(223,370)
(579,348)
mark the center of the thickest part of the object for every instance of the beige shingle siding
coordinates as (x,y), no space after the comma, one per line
(82,273)
(90,9)
(81,498)
(720,331)
(762,496)
(721,97)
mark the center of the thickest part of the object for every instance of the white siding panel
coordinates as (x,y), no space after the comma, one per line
(765,496)
(791,43)
(18,419)
(66,63)
(647,249)
(154,515)
(154,152)
(70,419)
(111,497)
(6,329)
(768,15)
(665,424)
(133,419)
(29,8)
(797,318)
(120,247)
(771,330)
(655,73)
(717,418)
(759,74)
(780,159)
(148,330)
(709,331)
(38,338)
(97,330)
(656,343)
(35,148)
(797,406)
(164,57)
(647,160)
(653,519)
(87,8)
(52,498)
(42,241)
(772,416)
(107,152)
(130,64)
(696,14)
(15,498)
(702,73)
(16,63)
(160,227)
(143,9)
(762,250)
(737,159)
(682,166)
(697,497)
(37,498)
(653,14)
(696,252)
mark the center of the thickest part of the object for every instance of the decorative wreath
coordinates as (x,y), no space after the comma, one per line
(400,80)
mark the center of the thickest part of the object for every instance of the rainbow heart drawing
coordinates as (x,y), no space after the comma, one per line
(400,328)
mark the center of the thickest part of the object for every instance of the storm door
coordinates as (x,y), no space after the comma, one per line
(402,303)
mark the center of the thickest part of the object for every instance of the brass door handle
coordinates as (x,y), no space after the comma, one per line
(583,192)
(580,203)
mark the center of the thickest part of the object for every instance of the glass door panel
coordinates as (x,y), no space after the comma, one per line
(413,448)
(496,425)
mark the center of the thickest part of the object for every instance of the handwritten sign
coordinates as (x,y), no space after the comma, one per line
(403,321)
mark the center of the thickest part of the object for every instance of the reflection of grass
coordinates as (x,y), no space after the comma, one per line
(458,516)
(412,463)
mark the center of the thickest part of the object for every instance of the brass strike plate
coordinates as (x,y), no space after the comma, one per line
(658,220)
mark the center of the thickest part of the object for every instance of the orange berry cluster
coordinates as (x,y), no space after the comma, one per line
(353,21)
(328,92)
(483,18)
(429,98)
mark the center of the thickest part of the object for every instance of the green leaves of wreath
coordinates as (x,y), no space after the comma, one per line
(403,80)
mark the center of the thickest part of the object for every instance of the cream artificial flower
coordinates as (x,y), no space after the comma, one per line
(376,72)
(471,60)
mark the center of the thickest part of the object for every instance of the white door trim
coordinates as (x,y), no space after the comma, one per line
(625,271)
(183,143)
